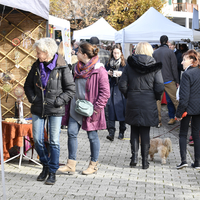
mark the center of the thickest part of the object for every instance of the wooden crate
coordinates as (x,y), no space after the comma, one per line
(18,32)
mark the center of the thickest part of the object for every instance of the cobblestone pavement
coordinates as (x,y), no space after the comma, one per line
(115,179)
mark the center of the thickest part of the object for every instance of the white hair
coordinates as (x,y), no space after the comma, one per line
(47,45)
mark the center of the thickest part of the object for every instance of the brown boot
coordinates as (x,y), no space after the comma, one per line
(92,168)
(69,168)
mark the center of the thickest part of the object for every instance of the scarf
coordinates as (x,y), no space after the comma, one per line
(115,64)
(45,71)
(84,70)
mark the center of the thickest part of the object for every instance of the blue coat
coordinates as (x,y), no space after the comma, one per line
(117,102)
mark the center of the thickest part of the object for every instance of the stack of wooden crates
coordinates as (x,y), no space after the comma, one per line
(18,32)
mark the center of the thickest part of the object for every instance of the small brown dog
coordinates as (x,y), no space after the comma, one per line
(161,146)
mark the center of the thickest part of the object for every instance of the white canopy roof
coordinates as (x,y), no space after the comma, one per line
(101,29)
(37,7)
(58,21)
(150,26)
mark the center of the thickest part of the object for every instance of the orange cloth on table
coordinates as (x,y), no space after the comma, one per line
(13,134)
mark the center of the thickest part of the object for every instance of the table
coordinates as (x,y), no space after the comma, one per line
(13,134)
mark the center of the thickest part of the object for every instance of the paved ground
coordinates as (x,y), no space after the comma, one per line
(114,180)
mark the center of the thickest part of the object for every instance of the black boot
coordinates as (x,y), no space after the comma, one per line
(43,174)
(145,153)
(134,151)
(111,135)
(121,136)
(51,179)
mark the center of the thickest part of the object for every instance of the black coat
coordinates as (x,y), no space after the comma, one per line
(189,94)
(142,84)
(169,63)
(60,89)
(117,102)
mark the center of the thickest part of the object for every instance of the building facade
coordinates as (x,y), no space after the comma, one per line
(181,11)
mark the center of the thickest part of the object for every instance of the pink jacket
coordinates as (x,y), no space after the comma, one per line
(98,93)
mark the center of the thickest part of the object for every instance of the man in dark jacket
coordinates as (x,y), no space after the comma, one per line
(170,105)
(169,72)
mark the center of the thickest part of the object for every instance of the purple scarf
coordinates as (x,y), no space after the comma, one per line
(45,71)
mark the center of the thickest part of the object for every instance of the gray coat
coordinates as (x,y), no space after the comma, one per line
(142,84)
(169,63)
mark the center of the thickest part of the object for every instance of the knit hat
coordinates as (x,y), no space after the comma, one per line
(94,40)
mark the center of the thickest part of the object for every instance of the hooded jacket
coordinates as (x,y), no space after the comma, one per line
(59,90)
(142,84)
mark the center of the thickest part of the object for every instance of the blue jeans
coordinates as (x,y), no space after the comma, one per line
(73,129)
(170,106)
(51,158)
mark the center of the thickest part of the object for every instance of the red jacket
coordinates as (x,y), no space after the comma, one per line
(98,93)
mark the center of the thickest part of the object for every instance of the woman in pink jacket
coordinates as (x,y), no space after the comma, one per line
(91,79)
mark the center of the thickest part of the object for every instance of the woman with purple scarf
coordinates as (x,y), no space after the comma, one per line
(91,79)
(49,87)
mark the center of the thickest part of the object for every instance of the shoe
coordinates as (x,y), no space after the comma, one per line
(92,168)
(190,139)
(43,174)
(159,125)
(195,166)
(69,168)
(171,121)
(121,136)
(191,143)
(110,137)
(182,165)
(63,127)
(51,179)
(133,163)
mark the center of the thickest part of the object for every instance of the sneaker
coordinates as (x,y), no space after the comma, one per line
(182,165)
(159,125)
(194,166)
(191,143)
(121,136)
(190,139)
(171,121)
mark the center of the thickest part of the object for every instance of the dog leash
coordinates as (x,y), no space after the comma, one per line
(167,131)
(184,115)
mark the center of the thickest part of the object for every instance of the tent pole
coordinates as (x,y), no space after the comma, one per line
(2,159)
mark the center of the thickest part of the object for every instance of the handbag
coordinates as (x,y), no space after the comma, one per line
(84,107)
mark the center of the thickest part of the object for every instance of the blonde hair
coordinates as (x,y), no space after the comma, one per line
(144,48)
(61,49)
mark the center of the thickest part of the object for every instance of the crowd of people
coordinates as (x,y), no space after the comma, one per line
(102,82)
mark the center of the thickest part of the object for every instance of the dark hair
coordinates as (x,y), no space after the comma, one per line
(192,54)
(118,46)
(90,50)
(163,39)
(109,48)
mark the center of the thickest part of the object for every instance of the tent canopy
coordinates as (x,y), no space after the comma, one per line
(101,29)
(58,21)
(150,26)
(37,7)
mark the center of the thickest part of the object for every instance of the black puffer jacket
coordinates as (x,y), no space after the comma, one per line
(60,89)
(189,94)
(142,84)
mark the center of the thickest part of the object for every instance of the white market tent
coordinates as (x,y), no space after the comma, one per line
(64,26)
(101,29)
(37,7)
(150,26)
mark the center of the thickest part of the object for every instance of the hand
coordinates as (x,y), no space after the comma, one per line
(118,73)
(178,119)
(177,85)
(110,73)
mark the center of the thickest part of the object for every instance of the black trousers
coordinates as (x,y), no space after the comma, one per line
(195,126)
(143,131)
(111,126)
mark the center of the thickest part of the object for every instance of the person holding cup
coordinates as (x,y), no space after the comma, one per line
(116,104)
